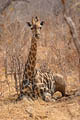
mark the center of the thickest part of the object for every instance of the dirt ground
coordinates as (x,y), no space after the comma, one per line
(66,108)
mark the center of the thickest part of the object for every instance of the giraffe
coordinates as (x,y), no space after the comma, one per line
(36,80)
(29,71)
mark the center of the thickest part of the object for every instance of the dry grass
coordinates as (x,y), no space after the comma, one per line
(67,108)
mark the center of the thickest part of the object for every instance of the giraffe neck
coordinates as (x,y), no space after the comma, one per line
(31,61)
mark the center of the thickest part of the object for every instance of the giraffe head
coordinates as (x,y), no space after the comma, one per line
(36,26)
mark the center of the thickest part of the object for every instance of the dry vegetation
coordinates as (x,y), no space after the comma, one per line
(56,52)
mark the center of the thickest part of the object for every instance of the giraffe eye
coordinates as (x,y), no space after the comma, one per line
(32,28)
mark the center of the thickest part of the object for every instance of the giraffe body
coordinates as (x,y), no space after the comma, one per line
(49,83)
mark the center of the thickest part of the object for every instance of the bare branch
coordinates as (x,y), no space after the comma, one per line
(74,34)
(6,5)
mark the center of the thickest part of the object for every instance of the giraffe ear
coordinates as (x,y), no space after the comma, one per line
(42,23)
(29,24)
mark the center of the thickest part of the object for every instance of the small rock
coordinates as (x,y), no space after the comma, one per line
(77,93)
(47,97)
